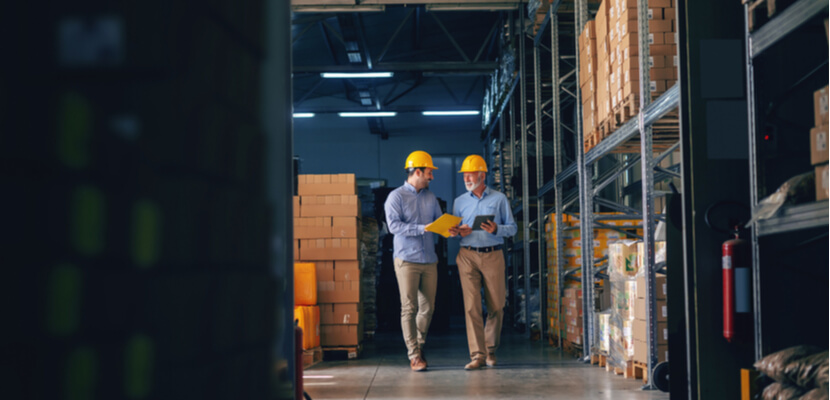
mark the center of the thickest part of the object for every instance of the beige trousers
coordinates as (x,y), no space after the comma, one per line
(477,271)
(418,284)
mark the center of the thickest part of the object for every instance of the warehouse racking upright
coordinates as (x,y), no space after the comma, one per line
(583,169)
(806,72)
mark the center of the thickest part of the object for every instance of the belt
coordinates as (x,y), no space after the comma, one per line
(483,249)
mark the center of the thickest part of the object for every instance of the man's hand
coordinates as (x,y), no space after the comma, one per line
(462,230)
(490,226)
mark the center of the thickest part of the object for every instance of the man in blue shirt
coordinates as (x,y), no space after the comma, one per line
(409,209)
(481,260)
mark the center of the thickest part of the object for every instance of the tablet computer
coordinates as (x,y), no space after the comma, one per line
(480,219)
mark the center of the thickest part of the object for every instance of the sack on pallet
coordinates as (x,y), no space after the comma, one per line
(815,394)
(808,372)
(779,391)
(775,364)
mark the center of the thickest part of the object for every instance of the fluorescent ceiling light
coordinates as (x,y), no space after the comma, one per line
(368,114)
(357,74)
(472,6)
(303,115)
(436,113)
(338,8)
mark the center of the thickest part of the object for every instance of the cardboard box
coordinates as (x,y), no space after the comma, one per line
(346,271)
(312,227)
(640,331)
(641,352)
(622,258)
(639,309)
(330,206)
(822,184)
(296,206)
(340,314)
(326,184)
(345,227)
(663,50)
(818,145)
(820,106)
(296,250)
(341,335)
(329,249)
(338,292)
(325,270)
(659,286)
(572,293)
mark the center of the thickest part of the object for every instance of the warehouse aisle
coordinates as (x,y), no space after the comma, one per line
(526,370)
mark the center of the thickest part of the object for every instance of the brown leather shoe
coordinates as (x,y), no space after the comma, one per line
(475,364)
(418,364)
(491,360)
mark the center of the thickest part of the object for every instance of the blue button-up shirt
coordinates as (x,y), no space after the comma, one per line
(492,202)
(407,213)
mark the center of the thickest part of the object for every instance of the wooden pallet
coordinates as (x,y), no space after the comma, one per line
(761,11)
(351,352)
(640,371)
(600,359)
(626,372)
(312,357)
(628,108)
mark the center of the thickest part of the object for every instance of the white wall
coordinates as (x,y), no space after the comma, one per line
(328,144)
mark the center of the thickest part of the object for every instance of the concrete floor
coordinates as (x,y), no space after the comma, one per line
(526,370)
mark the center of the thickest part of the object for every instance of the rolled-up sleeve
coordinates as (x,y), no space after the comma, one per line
(395,219)
(508,228)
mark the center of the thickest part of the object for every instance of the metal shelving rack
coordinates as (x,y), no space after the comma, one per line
(793,218)
(583,170)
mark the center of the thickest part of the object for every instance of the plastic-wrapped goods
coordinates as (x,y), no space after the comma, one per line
(815,394)
(604,329)
(808,372)
(781,391)
(774,365)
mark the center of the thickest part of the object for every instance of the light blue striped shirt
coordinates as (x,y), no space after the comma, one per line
(492,202)
(407,213)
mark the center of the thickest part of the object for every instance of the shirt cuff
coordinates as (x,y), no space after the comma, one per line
(421,229)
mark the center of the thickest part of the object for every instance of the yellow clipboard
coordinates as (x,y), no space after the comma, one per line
(443,224)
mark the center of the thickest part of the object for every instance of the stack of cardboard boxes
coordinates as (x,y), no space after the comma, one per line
(327,233)
(609,64)
(588,80)
(818,143)
(624,51)
(572,250)
(602,96)
(572,313)
(640,327)
(306,311)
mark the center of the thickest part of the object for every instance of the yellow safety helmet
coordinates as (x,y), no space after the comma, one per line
(419,159)
(474,163)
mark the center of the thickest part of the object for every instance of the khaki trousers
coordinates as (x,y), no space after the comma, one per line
(418,284)
(476,271)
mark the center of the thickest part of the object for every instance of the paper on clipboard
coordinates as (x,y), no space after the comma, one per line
(480,219)
(443,224)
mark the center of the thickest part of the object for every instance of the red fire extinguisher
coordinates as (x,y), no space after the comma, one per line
(736,284)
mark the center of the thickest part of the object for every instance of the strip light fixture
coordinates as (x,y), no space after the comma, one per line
(357,75)
(453,113)
(368,114)
(303,115)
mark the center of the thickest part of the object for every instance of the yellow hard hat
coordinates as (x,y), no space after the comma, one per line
(419,159)
(473,163)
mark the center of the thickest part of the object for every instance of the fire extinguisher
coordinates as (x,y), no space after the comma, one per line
(736,284)
(737,277)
